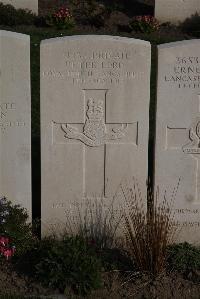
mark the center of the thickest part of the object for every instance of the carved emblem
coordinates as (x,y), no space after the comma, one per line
(193,147)
(94,130)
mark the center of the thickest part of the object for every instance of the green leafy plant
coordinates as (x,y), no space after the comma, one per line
(149,231)
(116,259)
(184,257)
(61,19)
(90,12)
(192,25)
(144,24)
(14,225)
(69,263)
(11,17)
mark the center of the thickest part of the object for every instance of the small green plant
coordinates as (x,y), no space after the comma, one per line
(144,24)
(61,19)
(69,263)
(14,226)
(10,16)
(184,257)
(148,231)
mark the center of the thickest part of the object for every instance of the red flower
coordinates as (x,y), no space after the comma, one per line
(5,249)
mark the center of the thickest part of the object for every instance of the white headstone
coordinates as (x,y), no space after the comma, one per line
(94,118)
(175,11)
(15,119)
(178,131)
(25,4)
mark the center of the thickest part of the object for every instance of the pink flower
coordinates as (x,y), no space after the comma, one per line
(5,249)
(4,241)
(2,249)
(8,253)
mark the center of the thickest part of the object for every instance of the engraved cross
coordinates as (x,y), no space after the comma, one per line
(95,134)
(191,147)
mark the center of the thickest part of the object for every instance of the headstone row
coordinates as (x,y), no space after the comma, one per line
(95,94)
(175,11)
(24,4)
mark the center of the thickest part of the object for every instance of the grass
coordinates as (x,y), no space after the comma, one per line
(96,221)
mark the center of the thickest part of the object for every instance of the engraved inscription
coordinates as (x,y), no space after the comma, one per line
(181,214)
(5,108)
(189,224)
(58,205)
(185,72)
(7,118)
(108,67)
(187,211)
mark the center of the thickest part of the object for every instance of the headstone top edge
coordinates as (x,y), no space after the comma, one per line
(4,33)
(97,37)
(178,44)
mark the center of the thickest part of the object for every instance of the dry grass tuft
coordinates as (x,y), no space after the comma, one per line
(149,231)
(95,221)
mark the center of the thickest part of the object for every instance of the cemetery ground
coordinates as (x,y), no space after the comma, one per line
(120,278)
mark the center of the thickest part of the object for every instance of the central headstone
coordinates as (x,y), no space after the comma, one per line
(178,132)
(94,118)
(175,11)
(24,4)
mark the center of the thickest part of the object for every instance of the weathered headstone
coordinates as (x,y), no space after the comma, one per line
(15,119)
(25,4)
(178,131)
(175,11)
(94,118)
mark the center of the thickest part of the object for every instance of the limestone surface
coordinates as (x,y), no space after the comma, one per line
(94,119)
(177,155)
(15,119)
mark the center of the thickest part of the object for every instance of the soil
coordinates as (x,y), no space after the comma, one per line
(16,284)
(116,286)
(166,286)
